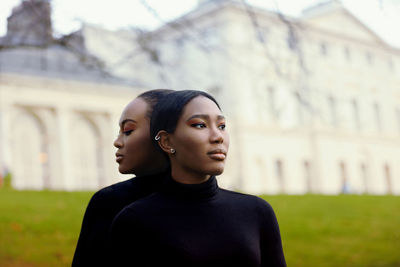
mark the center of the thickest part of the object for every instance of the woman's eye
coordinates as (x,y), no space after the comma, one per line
(199,125)
(222,126)
(127,132)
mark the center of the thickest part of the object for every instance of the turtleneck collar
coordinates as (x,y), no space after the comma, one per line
(201,191)
(151,180)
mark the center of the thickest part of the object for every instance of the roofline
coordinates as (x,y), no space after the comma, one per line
(301,22)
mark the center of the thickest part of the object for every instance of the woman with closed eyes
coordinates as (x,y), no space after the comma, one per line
(136,154)
(191,221)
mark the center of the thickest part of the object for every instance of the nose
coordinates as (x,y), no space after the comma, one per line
(216,135)
(117,142)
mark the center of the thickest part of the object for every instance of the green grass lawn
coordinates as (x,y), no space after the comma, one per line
(345,230)
(41,228)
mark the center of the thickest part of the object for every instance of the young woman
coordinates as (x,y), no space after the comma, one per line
(136,154)
(191,221)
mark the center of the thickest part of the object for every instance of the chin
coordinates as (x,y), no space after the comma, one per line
(216,171)
(123,171)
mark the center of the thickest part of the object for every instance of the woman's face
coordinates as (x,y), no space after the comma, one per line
(200,141)
(136,154)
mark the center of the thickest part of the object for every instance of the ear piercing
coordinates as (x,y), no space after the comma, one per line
(157,137)
(173,151)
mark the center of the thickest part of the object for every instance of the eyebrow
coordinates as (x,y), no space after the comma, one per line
(204,116)
(127,120)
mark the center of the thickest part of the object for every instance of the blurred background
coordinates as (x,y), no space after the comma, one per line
(310,90)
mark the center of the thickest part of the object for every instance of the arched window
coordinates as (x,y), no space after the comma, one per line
(356,114)
(272,103)
(29,153)
(333,111)
(347,53)
(397,111)
(307,175)
(279,170)
(85,144)
(388,178)
(378,119)
(364,176)
(323,49)
(343,175)
(369,58)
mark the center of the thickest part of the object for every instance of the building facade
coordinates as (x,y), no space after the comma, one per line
(312,103)
(59,109)
(58,134)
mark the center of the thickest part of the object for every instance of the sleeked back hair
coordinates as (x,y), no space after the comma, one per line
(167,112)
(152,97)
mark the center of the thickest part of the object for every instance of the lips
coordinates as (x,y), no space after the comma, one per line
(217,154)
(119,157)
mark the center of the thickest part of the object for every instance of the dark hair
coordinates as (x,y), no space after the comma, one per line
(167,112)
(152,97)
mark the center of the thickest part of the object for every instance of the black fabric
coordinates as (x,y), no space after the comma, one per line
(197,225)
(93,244)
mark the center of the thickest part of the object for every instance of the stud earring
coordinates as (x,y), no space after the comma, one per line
(173,151)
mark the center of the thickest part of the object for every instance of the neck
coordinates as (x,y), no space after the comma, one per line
(185,178)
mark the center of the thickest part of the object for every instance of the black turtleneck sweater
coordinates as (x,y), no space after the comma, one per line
(93,244)
(197,225)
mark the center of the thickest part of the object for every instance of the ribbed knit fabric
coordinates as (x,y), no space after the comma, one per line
(196,225)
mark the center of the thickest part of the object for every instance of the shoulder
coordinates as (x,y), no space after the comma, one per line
(111,193)
(261,205)
(131,212)
(243,197)
(149,203)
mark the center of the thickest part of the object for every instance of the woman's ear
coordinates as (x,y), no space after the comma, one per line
(164,141)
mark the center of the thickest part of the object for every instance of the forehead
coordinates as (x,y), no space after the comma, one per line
(136,110)
(201,105)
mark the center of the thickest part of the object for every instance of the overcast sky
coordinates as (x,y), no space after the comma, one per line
(381,16)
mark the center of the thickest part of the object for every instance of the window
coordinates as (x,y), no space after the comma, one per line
(179,42)
(343,175)
(369,58)
(356,114)
(391,64)
(307,175)
(347,53)
(280,175)
(209,37)
(300,107)
(292,39)
(332,111)
(262,33)
(272,102)
(364,176)
(398,117)
(377,112)
(388,178)
(323,49)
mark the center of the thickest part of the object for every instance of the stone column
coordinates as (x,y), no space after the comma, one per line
(5,149)
(2,144)
(108,153)
(64,127)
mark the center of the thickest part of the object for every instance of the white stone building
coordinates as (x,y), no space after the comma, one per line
(59,110)
(313,103)
(58,134)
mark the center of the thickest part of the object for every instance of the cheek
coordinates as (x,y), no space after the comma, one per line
(137,142)
(192,143)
